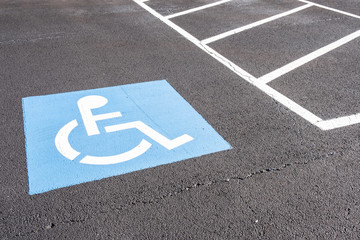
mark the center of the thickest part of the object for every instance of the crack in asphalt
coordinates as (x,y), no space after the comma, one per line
(236,179)
(224,61)
(281,108)
(213,182)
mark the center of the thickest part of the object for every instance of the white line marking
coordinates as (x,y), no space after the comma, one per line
(293,106)
(296,108)
(339,122)
(290,104)
(229,64)
(332,9)
(196,9)
(307,58)
(195,41)
(255,24)
(236,69)
(168,22)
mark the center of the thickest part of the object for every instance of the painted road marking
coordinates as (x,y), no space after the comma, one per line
(88,103)
(339,122)
(255,24)
(306,114)
(260,84)
(307,58)
(331,9)
(196,9)
(154,135)
(83,136)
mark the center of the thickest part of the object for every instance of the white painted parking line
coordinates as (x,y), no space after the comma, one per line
(261,83)
(290,104)
(247,76)
(196,9)
(180,30)
(255,24)
(307,58)
(293,106)
(331,9)
(229,64)
(339,122)
(312,118)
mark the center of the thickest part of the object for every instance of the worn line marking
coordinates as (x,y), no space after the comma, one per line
(255,24)
(196,9)
(332,9)
(307,58)
(339,122)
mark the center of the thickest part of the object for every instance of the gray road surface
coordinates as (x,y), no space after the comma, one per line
(285,178)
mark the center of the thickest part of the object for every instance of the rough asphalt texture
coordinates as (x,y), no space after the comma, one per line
(283,179)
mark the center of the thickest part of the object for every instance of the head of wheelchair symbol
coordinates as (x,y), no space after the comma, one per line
(85,105)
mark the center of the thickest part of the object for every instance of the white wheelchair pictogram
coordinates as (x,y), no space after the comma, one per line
(85,105)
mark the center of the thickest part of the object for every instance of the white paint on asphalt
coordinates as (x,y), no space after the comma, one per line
(339,122)
(261,83)
(255,24)
(307,58)
(290,104)
(293,106)
(332,9)
(196,9)
(236,69)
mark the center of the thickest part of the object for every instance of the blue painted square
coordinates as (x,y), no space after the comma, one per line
(83,136)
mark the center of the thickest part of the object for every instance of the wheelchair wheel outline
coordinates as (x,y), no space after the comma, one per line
(85,105)
(63,145)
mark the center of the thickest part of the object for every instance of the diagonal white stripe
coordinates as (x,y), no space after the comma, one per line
(196,9)
(255,24)
(307,58)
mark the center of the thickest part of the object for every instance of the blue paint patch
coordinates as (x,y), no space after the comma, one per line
(139,126)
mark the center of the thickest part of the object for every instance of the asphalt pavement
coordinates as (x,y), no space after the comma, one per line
(285,177)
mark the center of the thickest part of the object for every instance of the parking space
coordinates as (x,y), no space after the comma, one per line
(329,85)
(231,15)
(284,40)
(263,50)
(351,6)
(166,8)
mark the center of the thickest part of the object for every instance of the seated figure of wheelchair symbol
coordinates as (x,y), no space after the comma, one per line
(85,105)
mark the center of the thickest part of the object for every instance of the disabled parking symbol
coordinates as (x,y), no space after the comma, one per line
(77,137)
(86,104)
